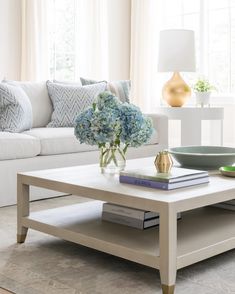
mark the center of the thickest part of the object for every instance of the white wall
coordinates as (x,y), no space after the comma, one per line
(119,12)
(10,36)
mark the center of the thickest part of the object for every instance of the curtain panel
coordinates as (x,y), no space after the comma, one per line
(145,21)
(34,51)
(91,39)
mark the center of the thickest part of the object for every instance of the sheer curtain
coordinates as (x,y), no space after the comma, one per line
(92,39)
(145,24)
(35,52)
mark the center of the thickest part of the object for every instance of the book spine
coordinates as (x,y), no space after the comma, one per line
(143,182)
(151,223)
(130,212)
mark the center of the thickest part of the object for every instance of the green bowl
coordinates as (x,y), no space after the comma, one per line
(228,171)
(204,156)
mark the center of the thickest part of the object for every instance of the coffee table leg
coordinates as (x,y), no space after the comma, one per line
(168,249)
(22,209)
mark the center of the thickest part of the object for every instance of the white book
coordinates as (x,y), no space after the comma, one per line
(129,212)
(130,221)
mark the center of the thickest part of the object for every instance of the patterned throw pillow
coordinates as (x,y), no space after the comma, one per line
(69,100)
(15,109)
(121,89)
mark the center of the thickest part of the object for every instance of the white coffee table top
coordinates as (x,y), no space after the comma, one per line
(87,181)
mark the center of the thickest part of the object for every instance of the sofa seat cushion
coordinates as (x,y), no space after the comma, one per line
(17,146)
(58,141)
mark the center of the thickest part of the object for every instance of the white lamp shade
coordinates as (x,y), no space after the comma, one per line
(176,51)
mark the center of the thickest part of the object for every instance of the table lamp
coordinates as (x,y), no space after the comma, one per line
(176,53)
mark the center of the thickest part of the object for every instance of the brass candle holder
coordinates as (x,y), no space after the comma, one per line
(163,162)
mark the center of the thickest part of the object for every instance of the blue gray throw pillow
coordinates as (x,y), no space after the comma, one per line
(121,88)
(69,100)
(15,109)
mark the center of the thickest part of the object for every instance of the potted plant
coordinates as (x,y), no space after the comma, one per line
(113,126)
(202,89)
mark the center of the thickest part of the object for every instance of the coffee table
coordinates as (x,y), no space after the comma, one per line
(202,233)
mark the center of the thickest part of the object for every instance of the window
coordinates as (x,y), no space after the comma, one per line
(62,39)
(214,24)
(78,39)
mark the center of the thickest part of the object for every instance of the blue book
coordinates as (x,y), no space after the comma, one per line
(162,185)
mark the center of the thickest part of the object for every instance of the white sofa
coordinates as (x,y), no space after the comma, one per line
(44,148)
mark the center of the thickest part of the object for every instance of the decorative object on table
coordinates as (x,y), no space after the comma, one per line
(209,157)
(228,171)
(163,162)
(113,126)
(202,89)
(176,53)
(177,178)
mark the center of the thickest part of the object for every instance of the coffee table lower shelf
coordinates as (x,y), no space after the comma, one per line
(202,233)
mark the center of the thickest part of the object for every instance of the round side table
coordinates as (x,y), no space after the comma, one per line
(191,122)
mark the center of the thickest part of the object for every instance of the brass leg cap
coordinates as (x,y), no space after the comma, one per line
(21,238)
(168,289)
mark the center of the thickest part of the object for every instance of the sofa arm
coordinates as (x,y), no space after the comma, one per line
(160,124)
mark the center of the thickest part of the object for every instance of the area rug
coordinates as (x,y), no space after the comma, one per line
(5,291)
(47,265)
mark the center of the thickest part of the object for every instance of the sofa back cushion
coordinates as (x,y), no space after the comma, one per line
(40,101)
(69,100)
(120,89)
(15,109)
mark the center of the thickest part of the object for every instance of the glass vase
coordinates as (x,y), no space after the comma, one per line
(112,159)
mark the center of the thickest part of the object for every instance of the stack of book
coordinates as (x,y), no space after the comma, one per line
(132,217)
(230,205)
(177,178)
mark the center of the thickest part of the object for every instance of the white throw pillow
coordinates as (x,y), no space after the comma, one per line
(69,100)
(15,109)
(39,98)
(120,89)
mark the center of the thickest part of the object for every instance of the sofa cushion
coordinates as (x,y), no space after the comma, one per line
(17,146)
(120,89)
(15,109)
(69,100)
(58,141)
(40,101)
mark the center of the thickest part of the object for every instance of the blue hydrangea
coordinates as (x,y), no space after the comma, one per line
(111,122)
(107,100)
(136,127)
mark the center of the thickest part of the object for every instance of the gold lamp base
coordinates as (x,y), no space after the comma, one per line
(176,91)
